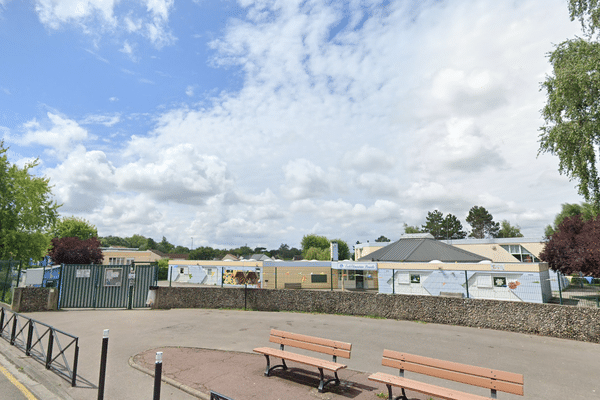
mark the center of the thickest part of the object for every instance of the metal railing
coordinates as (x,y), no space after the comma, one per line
(579,291)
(28,335)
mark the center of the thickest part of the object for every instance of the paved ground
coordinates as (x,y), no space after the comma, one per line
(553,368)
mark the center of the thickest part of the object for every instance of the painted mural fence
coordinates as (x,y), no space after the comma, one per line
(485,284)
(213,275)
(578,290)
(10,271)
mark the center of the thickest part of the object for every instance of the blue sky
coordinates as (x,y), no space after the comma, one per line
(256,122)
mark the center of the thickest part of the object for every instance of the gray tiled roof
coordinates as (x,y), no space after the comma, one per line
(422,250)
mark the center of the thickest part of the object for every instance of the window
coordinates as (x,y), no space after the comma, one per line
(520,253)
(116,261)
(415,279)
(317,278)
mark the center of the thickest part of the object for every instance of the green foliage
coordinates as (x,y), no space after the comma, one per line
(73,227)
(509,231)
(572,114)
(382,239)
(26,211)
(315,253)
(72,250)
(343,249)
(310,241)
(203,253)
(584,210)
(448,227)
(482,223)
(587,12)
(163,269)
(411,229)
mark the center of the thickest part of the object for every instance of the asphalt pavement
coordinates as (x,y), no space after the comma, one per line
(553,368)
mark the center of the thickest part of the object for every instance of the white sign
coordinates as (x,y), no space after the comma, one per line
(82,273)
(113,277)
(497,267)
(355,266)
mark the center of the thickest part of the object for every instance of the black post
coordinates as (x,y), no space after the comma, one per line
(157,375)
(103,365)
(29,338)
(1,321)
(467,283)
(559,287)
(75,362)
(49,351)
(14,329)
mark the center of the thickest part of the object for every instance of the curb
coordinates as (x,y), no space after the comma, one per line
(180,386)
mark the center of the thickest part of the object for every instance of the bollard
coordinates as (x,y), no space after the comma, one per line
(103,365)
(157,375)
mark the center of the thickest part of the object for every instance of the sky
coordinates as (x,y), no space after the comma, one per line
(255,122)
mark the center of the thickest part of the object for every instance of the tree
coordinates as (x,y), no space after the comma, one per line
(411,229)
(574,247)
(452,228)
(382,239)
(27,211)
(343,249)
(165,246)
(310,241)
(509,231)
(203,253)
(588,13)
(448,227)
(482,223)
(315,253)
(585,210)
(434,223)
(72,250)
(572,114)
(110,241)
(73,227)
(137,241)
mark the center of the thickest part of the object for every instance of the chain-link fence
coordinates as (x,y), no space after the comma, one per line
(578,290)
(10,271)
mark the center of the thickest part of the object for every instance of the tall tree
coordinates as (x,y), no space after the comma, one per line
(509,231)
(27,211)
(382,238)
(482,223)
(73,227)
(434,223)
(452,228)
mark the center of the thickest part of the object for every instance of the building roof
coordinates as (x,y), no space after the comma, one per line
(421,249)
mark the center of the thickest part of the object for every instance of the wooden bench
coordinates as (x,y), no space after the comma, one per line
(325,346)
(484,377)
(288,285)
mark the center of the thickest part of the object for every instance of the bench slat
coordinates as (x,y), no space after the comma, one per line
(474,380)
(432,390)
(312,339)
(454,366)
(310,346)
(299,358)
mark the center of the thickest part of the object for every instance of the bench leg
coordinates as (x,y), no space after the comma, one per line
(269,368)
(323,382)
(391,397)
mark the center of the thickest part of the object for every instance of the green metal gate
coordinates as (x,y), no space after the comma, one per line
(106,286)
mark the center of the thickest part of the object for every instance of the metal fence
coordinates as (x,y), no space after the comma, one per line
(579,291)
(42,342)
(10,271)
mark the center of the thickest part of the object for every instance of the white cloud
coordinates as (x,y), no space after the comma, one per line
(106,120)
(61,135)
(97,17)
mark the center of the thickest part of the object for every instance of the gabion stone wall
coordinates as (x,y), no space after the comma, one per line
(31,299)
(542,319)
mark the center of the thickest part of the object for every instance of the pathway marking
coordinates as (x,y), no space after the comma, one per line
(18,384)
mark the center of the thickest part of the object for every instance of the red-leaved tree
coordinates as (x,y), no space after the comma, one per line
(575,247)
(72,250)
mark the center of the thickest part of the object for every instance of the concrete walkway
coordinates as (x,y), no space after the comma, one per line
(553,368)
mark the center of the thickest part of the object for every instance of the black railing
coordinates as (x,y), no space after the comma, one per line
(28,335)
